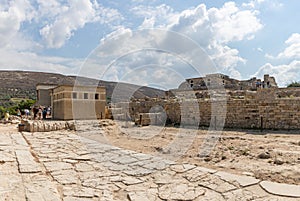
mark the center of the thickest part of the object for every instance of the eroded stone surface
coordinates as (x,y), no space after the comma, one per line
(180,191)
(64,166)
(215,183)
(241,180)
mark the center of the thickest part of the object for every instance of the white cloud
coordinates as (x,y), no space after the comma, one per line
(58,21)
(284,73)
(226,59)
(292,50)
(259,49)
(50,8)
(253,3)
(15,45)
(289,69)
(224,25)
(11,18)
(148,23)
(232,24)
(75,16)
(159,16)
(267,4)
(72,16)
(213,29)
(33,62)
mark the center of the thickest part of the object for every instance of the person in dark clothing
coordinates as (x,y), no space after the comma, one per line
(35,111)
(44,113)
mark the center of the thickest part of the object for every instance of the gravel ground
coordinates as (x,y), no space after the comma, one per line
(273,156)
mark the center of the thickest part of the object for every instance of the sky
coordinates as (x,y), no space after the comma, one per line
(152,42)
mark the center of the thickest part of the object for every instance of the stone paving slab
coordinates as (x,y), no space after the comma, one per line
(11,187)
(20,141)
(64,166)
(27,163)
(281,189)
(243,181)
(40,187)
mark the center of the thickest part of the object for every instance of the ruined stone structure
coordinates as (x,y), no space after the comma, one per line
(266,108)
(218,79)
(47,126)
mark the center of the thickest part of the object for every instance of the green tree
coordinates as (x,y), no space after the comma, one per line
(294,84)
(12,107)
(25,104)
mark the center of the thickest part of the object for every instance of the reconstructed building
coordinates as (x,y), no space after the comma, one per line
(78,102)
(43,92)
(72,102)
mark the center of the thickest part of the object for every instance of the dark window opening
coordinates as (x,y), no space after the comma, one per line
(74,95)
(86,96)
(97,96)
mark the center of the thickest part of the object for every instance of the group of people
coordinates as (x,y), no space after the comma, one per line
(36,113)
(41,112)
(24,113)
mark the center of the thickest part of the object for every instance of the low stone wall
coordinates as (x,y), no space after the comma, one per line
(46,126)
(262,110)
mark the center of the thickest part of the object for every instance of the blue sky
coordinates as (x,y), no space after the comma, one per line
(242,38)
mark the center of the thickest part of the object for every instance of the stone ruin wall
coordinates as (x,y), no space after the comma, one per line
(266,108)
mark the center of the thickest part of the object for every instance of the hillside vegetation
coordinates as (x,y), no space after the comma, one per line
(21,85)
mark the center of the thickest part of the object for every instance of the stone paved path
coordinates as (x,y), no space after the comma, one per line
(64,166)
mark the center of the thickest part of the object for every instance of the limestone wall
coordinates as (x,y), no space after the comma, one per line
(262,110)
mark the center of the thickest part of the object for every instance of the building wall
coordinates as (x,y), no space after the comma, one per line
(262,108)
(67,106)
(44,94)
(44,98)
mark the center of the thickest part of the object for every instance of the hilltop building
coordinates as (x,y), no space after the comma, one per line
(199,86)
(218,79)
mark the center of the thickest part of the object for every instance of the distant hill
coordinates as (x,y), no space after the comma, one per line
(22,84)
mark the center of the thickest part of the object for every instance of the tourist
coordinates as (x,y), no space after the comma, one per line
(49,110)
(19,113)
(26,113)
(35,113)
(44,113)
(40,113)
(6,116)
